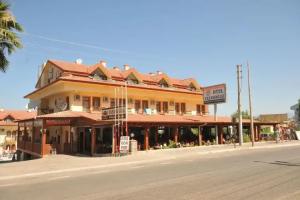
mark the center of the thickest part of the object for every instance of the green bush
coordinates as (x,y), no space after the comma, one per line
(246,138)
(172,144)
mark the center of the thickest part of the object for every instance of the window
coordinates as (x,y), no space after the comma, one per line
(112,103)
(50,73)
(203,109)
(86,103)
(145,105)
(96,103)
(68,103)
(177,108)
(165,107)
(182,108)
(198,107)
(163,83)
(192,87)
(158,106)
(137,105)
(99,75)
(131,79)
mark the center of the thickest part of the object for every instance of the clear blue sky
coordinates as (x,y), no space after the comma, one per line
(188,38)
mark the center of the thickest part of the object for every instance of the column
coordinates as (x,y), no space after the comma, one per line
(91,104)
(221,134)
(176,134)
(258,133)
(93,141)
(156,135)
(199,135)
(113,140)
(146,139)
(43,139)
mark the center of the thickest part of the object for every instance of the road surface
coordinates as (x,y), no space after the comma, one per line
(258,174)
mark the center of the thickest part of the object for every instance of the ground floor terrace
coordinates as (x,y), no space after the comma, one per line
(79,133)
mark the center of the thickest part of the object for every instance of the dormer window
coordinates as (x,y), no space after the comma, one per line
(99,75)
(192,87)
(163,83)
(131,79)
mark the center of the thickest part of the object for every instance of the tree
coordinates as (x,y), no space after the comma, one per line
(245,115)
(9,40)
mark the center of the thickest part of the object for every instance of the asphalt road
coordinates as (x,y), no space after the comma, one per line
(260,174)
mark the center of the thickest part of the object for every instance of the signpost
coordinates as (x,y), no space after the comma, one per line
(124,144)
(215,94)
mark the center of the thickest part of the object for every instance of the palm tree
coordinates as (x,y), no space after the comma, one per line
(9,40)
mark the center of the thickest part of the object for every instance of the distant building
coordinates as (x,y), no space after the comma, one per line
(295,108)
(9,126)
(281,119)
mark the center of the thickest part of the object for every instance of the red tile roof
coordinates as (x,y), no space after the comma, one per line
(16,114)
(118,73)
(71,114)
(139,118)
(108,82)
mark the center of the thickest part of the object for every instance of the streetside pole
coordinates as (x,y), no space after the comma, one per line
(122,105)
(114,126)
(126,109)
(239,71)
(250,106)
(216,127)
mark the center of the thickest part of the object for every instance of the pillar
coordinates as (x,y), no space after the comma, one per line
(176,134)
(199,135)
(258,133)
(220,134)
(43,139)
(156,135)
(113,139)
(146,139)
(93,141)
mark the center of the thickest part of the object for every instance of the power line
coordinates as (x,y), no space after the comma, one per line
(77,44)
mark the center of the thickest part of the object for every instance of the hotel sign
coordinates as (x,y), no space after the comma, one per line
(114,113)
(58,122)
(215,94)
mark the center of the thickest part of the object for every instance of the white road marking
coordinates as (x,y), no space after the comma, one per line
(165,163)
(58,177)
(137,167)
(7,185)
(190,160)
(100,172)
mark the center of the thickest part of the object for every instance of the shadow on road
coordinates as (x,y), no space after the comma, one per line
(277,162)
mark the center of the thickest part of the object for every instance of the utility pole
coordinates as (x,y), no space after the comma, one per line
(239,78)
(216,127)
(250,106)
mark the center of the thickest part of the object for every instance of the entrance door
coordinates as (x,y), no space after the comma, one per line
(81,142)
(87,140)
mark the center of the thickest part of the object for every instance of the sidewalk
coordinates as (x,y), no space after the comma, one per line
(66,163)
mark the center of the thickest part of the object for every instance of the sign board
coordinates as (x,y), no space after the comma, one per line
(112,113)
(58,122)
(215,94)
(124,144)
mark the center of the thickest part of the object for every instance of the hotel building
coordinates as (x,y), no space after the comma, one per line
(161,109)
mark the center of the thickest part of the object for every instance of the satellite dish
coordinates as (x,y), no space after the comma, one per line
(61,104)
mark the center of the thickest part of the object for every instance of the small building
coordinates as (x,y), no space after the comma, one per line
(9,126)
(296,109)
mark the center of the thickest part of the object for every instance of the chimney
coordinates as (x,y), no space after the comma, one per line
(159,72)
(126,67)
(78,61)
(102,62)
